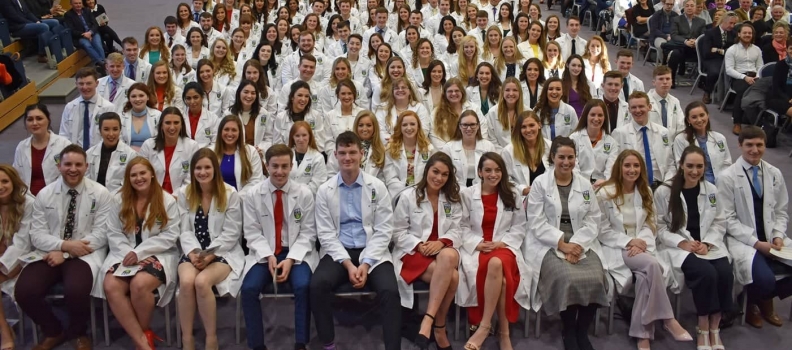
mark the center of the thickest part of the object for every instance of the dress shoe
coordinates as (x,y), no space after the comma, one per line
(706,99)
(754,317)
(769,314)
(50,343)
(83,343)
(42,59)
(737,129)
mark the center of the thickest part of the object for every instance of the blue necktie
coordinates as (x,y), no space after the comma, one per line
(664,112)
(197,16)
(86,126)
(648,155)
(552,125)
(131,71)
(757,184)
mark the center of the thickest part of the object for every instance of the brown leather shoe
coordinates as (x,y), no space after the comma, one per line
(42,59)
(754,317)
(82,343)
(769,314)
(706,99)
(737,129)
(50,343)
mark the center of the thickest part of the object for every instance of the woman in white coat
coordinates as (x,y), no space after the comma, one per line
(511,61)
(299,107)
(425,238)
(108,160)
(308,165)
(211,224)
(493,275)
(139,118)
(558,118)
(200,122)
(342,116)
(533,78)
(569,277)
(627,234)
(466,148)
(373,160)
(252,70)
(431,91)
(526,157)
(592,137)
(501,116)
(240,163)
(141,233)
(403,98)
(690,228)
(485,90)
(698,132)
(36,158)
(407,153)
(164,90)
(205,75)
(170,151)
(256,121)
(328,95)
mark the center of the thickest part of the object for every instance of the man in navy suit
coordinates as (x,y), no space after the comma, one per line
(23,23)
(714,45)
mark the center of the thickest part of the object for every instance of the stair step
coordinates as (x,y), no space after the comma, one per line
(38,72)
(61,91)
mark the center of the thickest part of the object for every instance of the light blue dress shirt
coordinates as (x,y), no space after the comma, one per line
(351,232)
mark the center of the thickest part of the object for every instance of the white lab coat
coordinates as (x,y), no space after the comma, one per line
(426,99)
(335,123)
(259,224)
(389,36)
(291,63)
(519,173)
(114,176)
(311,172)
(415,226)
(474,97)
(225,229)
(328,100)
(595,162)
(142,69)
(23,163)
(565,41)
(256,169)
(509,228)
(152,118)
(206,131)
(613,237)
(717,148)
(518,66)
(262,130)
(594,73)
(369,168)
(180,162)
(360,70)
(456,151)
(382,115)
(527,95)
(20,245)
(93,213)
(499,136)
(213,100)
(712,225)
(674,112)
(71,126)
(283,97)
(545,217)
(736,201)
(377,214)
(395,170)
(104,87)
(282,124)
(624,116)
(202,54)
(628,138)
(636,84)
(565,121)
(439,142)
(180,78)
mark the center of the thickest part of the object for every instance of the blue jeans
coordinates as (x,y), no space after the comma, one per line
(93,48)
(36,29)
(259,277)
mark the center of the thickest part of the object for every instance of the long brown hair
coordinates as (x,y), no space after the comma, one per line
(616,180)
(543,104)
(377,148)
(194,192)
(445,120)
(162,48)
(246,167)
(505,192)
(690,133)
(170,86)
(458,131)
(581,85)
(675,207)
(397,139)
(450,189)
(583,121)
(16,207)
(129,197)
(521,152)
(503,115)
(152,99)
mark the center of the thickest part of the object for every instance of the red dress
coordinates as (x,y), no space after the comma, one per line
(37,180)
(510,271)
(414,265)
(166,182)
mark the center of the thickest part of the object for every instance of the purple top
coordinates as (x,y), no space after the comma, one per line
(575,102)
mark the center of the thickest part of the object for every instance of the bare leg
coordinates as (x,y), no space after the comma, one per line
(5,330)
(704,326)
(441,335)
(140,291)
(186,300)
(439,286)
(503,321)
(117,291)
(207,305)
(492,292)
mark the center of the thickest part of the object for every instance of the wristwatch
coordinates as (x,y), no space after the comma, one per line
(66,255)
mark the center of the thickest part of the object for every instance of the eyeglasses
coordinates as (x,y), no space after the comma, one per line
(468,126)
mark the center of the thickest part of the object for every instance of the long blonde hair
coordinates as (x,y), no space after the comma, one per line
(462,62)
(503,115)
(500,61)
(387,81)
(16,207)
(486,51)
(521,152)
(391,101)
(226,63)
(377,148)
(603,58)
(397,139)
(129,197)
(246,167)
(642,183)
(194,192)
(445,119)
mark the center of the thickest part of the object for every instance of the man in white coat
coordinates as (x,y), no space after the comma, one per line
(280,232)
(353,223)
(624,63)
(307,68)
(618,109)
(650,139)
(80,116)
(570,42)
(208,29)
(754,199)
(172,35)
(134,68)
(115,85)
(666,109)
(291,63)
(388,35)
(69,218)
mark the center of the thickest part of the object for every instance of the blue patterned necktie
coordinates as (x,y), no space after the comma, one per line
(648,156)
(757,183)
(69,229)
(87,126)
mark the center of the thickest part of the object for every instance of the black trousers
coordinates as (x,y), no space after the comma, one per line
(739,87)
(329,275)
(712,68)
(678,57)
(711,282)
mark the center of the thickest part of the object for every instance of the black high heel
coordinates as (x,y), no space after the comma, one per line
(422,341)
(438,346)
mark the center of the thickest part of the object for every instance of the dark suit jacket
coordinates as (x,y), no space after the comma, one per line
(656,24)
(17,18)
(681,30)
(713,39)
(769,53)
(72,21)
(780,88)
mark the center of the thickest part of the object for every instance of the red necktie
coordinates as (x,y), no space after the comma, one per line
(278,220)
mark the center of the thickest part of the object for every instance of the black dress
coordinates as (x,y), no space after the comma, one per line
(642,30)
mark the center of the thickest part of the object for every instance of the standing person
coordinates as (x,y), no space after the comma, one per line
(78,122)
(466,147)
(71,238)
(690,227)
(424,245)
(526,156)
(698,132)
(742,61)
(407,153)
(108,160)
(170,151)
(37,158)
(213,257)
(754,201)
(142,230)
(568,275)
(628,234)
(494,275)
(354,240)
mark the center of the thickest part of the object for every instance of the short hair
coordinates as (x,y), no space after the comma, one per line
(624,53)
(751,132)
(115,57)
(613,74)
(355,36)
(660,70)
(481,14)
(381,10)
(638,95)
(278,150)
(73,148)
(346,139)
(85,72)
(109,116)
(342,24)
(307,58)
(171,20)
(206,15)
(129,40)
(573,17)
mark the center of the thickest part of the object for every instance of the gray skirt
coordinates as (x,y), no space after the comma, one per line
(562,284)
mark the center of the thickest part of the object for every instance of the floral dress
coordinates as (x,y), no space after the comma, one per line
(150,265)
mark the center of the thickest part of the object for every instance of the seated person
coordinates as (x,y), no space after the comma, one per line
(24,24)
(684,31)
(85,32)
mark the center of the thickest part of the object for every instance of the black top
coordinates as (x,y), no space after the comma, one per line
(691,199)
(613,113)
(638,11)
(104,162)
(534,174)
(299,157)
